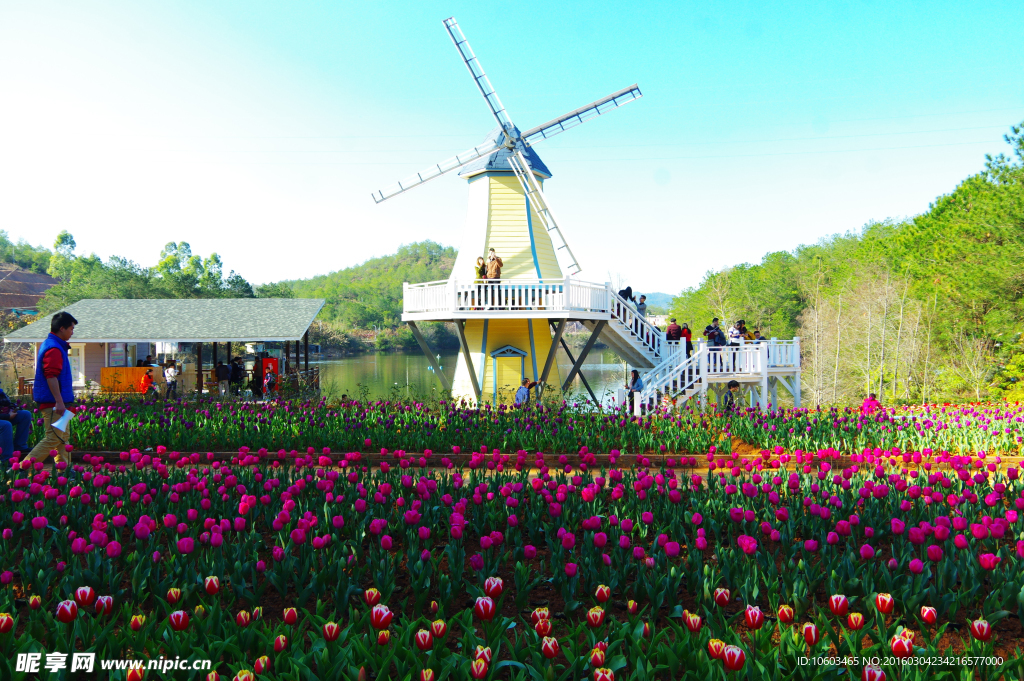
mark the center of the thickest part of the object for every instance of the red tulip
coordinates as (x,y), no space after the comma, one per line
(212,585)
(753,617)
(493,587)
(383,636)
(262,665)
(380,617)
(604,674)
(67,612)
(478,669)
(884,603)
(257,613)
(104,605)
(371,596)
(811,633)
(786,614)
(291,616)
(603,645)
(989,561)
(438,628)
(539,614)
(244,675)
(213,676)
(981,630)
(542,627)
(602,594)
(243,618)
(901,647)
(6,622)
(427,675)
(331,631)
(692,621)
(178,620)
(716,649)
(136,622)
(424,640)
(929,615)
(85,596)
(647,630)
(484,608)
(549,646)
(35,602)
(872,673)
(135,674)
(173,596)
(595,616)
(733,657)
(838,604)
(722,597)
(484,654)
(597,657)
(632,608)
(855,621)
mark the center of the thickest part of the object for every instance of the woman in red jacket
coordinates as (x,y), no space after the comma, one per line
(687,335)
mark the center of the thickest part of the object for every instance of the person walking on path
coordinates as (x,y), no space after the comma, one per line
(269,383)
(223,378)
(53,391)
(871,405)
(523,393)
(15,427)
(171,377)
(237,376)
(641,307)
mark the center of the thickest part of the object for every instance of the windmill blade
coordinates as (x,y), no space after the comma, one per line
(539,202)
(582,115)
(438,170)
(482,82)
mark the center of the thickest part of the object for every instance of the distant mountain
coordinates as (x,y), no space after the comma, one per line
(370,294)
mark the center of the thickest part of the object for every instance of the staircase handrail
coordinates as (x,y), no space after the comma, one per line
(645,333)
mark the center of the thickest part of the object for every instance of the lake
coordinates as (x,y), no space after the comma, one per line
(383,375)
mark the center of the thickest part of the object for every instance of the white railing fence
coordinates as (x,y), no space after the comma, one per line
(639,328)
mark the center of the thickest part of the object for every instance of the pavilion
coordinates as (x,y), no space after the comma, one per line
(112,336)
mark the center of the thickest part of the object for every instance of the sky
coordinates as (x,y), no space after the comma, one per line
(258,130)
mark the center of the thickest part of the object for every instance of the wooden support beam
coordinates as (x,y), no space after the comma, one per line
(297,356)
(559,330)
(305,349)
(283,370)
(199,368)
(583,355)
(460,326)
(430,355)
(590,390)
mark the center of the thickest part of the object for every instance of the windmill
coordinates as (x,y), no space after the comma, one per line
(509,212)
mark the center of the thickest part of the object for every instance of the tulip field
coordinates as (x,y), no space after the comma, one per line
(424,542)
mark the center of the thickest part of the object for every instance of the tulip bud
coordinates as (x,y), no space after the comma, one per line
(753,617)
(733,658)
(331,631)
(549,647)
(173,596)
(595,616)
(6,622)
(884,603)
(371,596)
(424,640)
(716,648)
(855,621)
(722,597)
(542,627)
(786,614)
(427,675)
(632,608)
(383,636)
(597,657)
(212,585)
(291,616)
(262,665)
(929,615)
(603,593)
(35,602)
(243,618)
(280,643)
(137,622)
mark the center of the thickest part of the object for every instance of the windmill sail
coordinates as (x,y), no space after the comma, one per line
(536,199)
(438,170)
(582,115)
(477,71)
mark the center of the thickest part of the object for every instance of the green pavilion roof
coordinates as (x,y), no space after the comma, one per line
(183,321)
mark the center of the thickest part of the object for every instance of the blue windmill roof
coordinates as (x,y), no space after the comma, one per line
(498,160)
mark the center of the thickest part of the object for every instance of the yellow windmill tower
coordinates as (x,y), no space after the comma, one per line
(505,324)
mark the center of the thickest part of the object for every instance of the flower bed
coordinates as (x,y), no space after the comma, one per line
(327,568)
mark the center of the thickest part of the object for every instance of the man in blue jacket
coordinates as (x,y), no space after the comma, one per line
(53,391)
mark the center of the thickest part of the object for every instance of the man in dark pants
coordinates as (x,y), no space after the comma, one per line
(53,390)
(237,376)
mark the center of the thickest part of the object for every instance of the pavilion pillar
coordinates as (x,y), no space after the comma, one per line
(199,368)
(297,355)
(305,349)
(229,351)
(287,351)
(215,356)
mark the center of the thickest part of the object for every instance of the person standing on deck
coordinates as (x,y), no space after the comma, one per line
(53,390)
